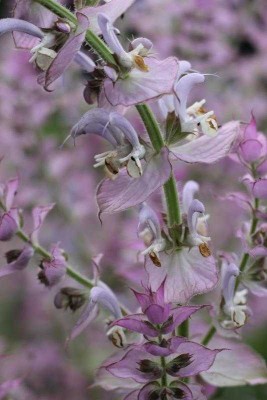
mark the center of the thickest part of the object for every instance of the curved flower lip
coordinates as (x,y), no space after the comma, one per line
(13,24)
(189,191)
(125,191)
(140,86)
(206,149)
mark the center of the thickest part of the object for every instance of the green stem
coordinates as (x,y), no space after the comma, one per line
(164,376)
(92,39)
(207,338)
(183,329)
(44,253)
(170,187)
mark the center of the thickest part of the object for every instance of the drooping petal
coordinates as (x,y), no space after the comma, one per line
(39,214)
(67,53)
(208,149)
(88,315)
(140,86)
(137,323)
(113,10)
(19,262)
(201,358)
(13,24)
(187,274)
(126,192)
(238,366)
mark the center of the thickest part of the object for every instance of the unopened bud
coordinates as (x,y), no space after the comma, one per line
(12,255)
(150,367)
(63,26)
(182,361)
(69,297)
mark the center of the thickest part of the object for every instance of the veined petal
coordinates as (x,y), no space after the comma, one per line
(126,192)
(140,86)
(201,360)
(13,24)
(208,149)
(238,366)
(187,274)
(128,366)
(68,52)
(113,10)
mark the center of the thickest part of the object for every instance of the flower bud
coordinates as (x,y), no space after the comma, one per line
(8,227)
(69,297)
(148,367)
(182,361)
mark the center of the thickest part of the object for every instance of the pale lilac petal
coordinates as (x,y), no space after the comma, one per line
(128,366)
(187,274)
(241,199)
(258,251)
(13,24)
(8,227)
(125,192)
(39,214)
(137,323)
(146,43)
(10,192)
(67,53)
(202,357)
(258,289)
(113,10)
(142,86)
(156,350)
(19,263)
(88,315)
(179,315)
(196,391)
(208,149)
(238,366)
